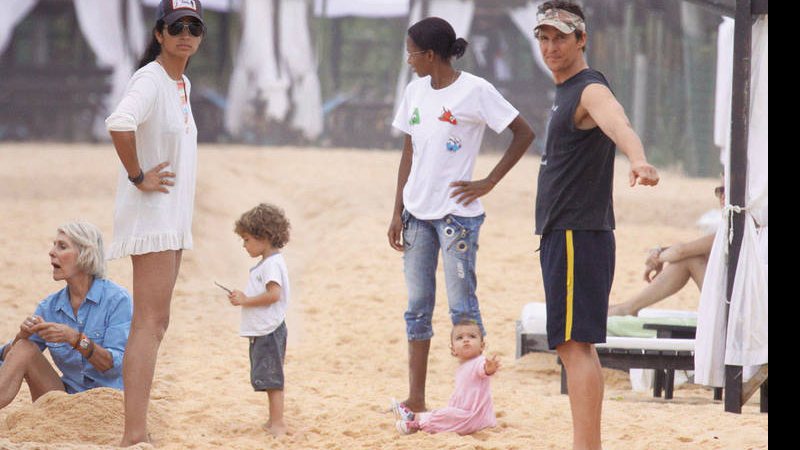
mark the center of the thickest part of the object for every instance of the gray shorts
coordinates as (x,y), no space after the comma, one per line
(266,360)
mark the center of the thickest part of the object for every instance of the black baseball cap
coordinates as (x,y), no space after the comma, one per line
(171,10)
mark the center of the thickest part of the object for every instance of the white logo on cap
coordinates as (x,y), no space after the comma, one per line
(183,4)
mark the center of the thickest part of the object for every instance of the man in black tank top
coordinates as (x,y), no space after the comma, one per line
(574,208)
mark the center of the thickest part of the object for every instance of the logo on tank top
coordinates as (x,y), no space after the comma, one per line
(453,144)
(414,117)
(448,117)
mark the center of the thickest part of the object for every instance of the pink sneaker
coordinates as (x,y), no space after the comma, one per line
(406,426)
(401,411)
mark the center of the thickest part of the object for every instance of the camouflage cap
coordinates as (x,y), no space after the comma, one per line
(560,19)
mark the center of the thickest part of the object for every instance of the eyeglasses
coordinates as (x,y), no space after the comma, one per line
(412,54)
(195,27)
(719,191)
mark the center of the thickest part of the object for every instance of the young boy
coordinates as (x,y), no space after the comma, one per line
(264,231)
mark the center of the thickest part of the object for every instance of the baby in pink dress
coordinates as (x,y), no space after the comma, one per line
(470,408)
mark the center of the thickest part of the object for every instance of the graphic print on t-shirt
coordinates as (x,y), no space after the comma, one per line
(414,117)
(453,144)
(448,116)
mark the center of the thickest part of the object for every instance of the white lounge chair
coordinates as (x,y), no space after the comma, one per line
(664,355)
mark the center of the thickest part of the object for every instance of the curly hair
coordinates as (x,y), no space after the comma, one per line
(265,221)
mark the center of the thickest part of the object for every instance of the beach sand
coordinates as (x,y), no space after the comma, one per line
(347,349)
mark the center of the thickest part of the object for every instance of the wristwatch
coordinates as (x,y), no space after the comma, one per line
(84,342)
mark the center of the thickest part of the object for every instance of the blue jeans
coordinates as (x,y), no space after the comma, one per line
(457,237)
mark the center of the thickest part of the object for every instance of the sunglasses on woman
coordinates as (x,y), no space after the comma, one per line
(196,28)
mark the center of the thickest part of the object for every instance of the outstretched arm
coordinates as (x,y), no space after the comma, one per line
(468,191)
(604,110)
(491,366)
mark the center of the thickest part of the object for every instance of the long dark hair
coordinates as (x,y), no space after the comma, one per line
(434,33)
(153,48)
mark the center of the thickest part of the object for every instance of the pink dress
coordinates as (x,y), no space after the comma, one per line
(470,408)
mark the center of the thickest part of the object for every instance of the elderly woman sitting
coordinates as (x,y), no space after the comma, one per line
(85,325)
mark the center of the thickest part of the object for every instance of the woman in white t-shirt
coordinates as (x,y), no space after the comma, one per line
(444,114)
(155,137)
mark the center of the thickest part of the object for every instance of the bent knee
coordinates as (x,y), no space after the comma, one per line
(23,346)
(154,326)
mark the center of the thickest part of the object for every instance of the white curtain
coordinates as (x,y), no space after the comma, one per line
(360,8)
(297,55)
(743,340)
(458,12)
(524,18)
(100,22)
(139,30)
(13,11)
(208,5)
(256,80)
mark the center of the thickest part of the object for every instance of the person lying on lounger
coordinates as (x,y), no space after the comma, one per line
(668,269)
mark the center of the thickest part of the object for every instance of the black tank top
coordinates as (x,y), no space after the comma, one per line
(576,175)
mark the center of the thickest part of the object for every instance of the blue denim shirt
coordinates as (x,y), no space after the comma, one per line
(105,317)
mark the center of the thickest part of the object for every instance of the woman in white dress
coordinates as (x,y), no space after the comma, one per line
(155,137)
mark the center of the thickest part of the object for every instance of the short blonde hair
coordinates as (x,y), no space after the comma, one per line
(265,221)
(89,240)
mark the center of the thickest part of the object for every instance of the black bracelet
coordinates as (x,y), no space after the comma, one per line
(138,178)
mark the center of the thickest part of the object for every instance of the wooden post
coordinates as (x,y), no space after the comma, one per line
(740,115)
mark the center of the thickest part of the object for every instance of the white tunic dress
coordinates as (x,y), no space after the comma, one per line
(157,109)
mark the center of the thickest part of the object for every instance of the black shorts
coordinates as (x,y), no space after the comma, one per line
(267,354)
(577,271)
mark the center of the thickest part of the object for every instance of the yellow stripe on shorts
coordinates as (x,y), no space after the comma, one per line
(570,284)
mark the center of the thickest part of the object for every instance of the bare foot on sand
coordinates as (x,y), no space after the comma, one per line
(277,429)
(124,443)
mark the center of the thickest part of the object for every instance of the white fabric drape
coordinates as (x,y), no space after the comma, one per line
(360,8)
(138,31)
(743,341)
(208,5)
(13,11)
(524,18)
(256,80)
(100,22)
(458,13)
(297,55)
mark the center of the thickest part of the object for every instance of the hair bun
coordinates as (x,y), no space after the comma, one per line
(458,48)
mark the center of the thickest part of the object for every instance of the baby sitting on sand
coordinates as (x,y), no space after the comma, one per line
(470,408)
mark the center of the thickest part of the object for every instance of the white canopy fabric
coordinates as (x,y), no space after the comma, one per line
(138,30)
(257,81)
(100,22)
(361,8)
(273,82)
(742,339)
(210,5)
(524,18)
(13,13)
(297,55)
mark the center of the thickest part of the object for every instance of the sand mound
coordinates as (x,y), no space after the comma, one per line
(91,417)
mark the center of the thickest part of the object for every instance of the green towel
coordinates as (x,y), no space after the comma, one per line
(631,326)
